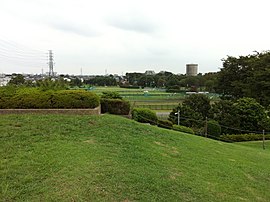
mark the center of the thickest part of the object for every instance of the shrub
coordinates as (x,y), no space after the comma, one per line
(32,98)
(130,86)
(243,137)
(111,95)
(74,99)
(183,129)
(213,128)
(115,106)
(144,116)
(165,124)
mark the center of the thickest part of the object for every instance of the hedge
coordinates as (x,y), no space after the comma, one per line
(183,129)
(213,129)
(115,106)
(130,87)
(63,99)
(144,115)
(165,124)
(243,137)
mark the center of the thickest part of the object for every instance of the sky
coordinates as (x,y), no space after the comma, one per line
(119,36)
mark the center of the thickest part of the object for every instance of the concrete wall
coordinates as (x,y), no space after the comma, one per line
(95,111)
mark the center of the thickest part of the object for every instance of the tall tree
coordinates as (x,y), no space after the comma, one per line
(246,76)
(17,79)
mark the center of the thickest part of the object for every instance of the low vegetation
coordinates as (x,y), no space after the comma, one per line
(144,116)
(110,158)
(244,137)
(115,106)
(183,129)
(33,98)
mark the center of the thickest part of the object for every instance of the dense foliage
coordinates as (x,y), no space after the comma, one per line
(193,111)
(233,117)
(243,137)
(144,116)
(111,95)
(183,129)
(102,81)
(115,106)
(51,84)
(165,124)
(213,129)
(225,113)
(33,98)
(172,82)
(246,76)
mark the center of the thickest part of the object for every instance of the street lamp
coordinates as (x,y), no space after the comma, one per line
(178,117)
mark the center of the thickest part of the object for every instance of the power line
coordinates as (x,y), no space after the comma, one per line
(14,53)
(17,46)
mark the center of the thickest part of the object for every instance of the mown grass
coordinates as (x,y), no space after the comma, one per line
(109,158)
(155,99)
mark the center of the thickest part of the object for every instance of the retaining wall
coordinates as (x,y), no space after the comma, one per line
(95,111)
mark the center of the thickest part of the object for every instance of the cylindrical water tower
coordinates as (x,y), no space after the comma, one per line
(191,69)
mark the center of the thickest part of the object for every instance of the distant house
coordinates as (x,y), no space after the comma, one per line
(4,79)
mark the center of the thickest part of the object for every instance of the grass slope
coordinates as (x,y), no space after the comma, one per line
(109,158)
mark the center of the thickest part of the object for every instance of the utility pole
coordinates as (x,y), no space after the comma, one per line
(51,63)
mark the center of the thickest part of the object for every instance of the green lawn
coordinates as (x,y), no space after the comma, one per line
(110,158)
(155,99)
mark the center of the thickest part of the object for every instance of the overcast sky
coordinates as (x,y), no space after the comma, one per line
(129,35)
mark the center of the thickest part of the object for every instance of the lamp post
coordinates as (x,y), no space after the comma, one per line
(178,117)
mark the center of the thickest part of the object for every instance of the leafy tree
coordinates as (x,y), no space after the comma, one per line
(199,103)
(225,113)
(17,79)
(246,76)
(245,114)
(172,80)
(146,81)
(75,82)
(193,111)
(102,81)
(111,95)
(251,114)
(50,84)
(133,78)
(213,129)
(188,116)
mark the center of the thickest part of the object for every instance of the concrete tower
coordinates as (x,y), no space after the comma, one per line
(191,69)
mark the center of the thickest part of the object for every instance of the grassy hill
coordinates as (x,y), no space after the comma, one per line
(109,158)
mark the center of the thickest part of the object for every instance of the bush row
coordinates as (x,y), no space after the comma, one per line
(148,116)
(243,137)
(130,87)
(144,116)
(183,129)
(115,106)
(165,124)
(36,99)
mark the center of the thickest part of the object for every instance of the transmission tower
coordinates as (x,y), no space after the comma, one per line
(51,63)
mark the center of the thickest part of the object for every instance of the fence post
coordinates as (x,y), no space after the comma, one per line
(206,127)
(263,140)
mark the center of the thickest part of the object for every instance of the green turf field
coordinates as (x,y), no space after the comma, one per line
(110,158)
